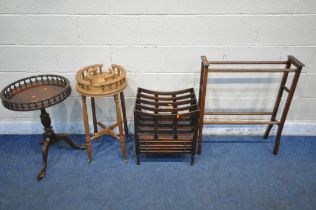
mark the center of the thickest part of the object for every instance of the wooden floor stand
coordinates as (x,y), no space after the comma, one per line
(93,81)
(207,67)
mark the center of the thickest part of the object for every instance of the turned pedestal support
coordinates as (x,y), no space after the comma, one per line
(51,138)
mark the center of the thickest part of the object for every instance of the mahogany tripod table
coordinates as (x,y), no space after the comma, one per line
(37,93)
(291,65)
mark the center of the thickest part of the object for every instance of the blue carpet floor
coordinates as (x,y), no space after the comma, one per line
(232,173)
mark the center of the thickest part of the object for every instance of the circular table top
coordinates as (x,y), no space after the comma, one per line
(93,81)
(36,92)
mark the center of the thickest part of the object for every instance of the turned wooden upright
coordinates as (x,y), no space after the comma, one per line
(92,81)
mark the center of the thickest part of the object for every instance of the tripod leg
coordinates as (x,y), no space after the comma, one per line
(68,140)
(45,147)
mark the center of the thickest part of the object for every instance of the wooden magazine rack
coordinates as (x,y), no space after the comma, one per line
(292,65)
(166,122)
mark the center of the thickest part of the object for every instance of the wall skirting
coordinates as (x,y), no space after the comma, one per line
(35,127)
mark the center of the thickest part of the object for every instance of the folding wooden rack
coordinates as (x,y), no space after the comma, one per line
(206,68)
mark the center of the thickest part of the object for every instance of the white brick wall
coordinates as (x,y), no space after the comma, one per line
(160,44)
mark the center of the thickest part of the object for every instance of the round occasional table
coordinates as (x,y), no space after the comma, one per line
(92,81)
(37,93)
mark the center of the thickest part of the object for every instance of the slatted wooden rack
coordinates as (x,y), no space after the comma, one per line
(166,122)
(207,67)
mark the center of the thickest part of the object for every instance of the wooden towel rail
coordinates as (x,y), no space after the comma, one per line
(292,65)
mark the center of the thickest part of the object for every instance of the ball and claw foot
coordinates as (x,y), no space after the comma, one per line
(41,175)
